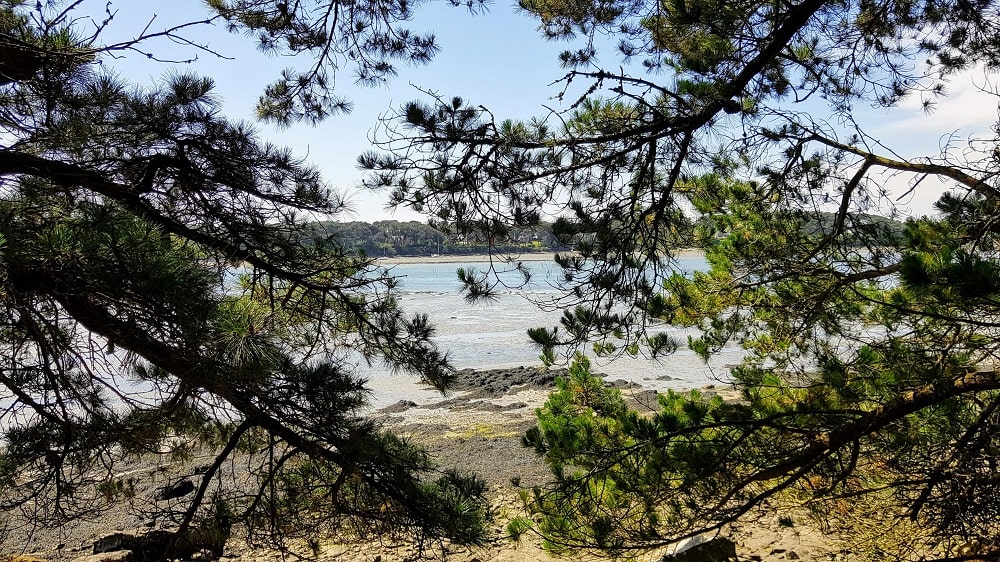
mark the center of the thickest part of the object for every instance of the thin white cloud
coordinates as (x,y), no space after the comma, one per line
(968,106)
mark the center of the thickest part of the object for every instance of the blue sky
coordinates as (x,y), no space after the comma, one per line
(497,59)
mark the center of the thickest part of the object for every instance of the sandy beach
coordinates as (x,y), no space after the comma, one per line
(477,428)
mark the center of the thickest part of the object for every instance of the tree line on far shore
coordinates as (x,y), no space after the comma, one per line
(412,238)
(388,238)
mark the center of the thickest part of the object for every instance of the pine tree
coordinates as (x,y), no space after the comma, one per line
(155,282)
(869,391)
(372,36)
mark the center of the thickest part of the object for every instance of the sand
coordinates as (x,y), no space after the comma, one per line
(478,428)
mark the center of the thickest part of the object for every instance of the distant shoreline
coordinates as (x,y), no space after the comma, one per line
(462,258)
(499,258)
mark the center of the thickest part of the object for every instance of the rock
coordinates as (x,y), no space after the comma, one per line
(622,384)
(648,399)
(162,544)
(114,541)
(792,555)
(497,382)
(489,406)
(697,549)
(515,406)
(174,491)
(115,556)
(401,406)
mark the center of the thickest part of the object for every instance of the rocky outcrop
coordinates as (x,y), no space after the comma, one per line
(719,549)
(161,544)
(491,383)
(176,490)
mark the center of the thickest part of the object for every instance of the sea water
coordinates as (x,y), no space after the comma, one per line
(493,334)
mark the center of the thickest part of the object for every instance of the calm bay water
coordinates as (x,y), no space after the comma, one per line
(493,334)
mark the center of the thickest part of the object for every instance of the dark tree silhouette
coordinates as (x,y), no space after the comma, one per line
(155,283)
(869,388)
